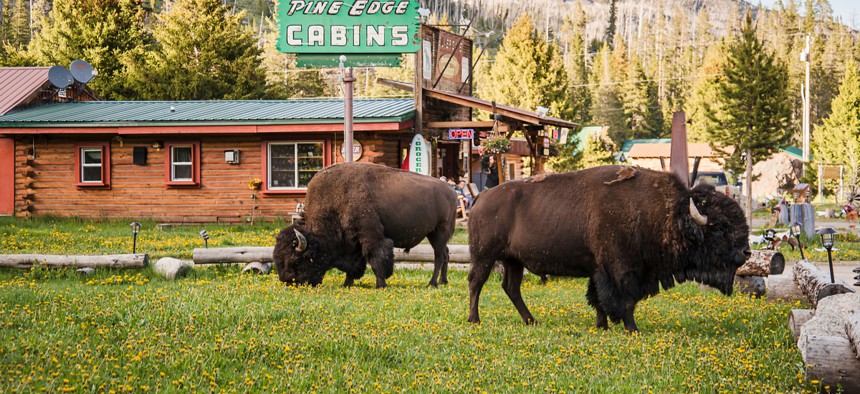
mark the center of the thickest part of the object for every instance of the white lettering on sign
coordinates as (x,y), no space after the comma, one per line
(291,35)
(357,8)
(338,36)
(375,35)
(399,35)
(316,35)
(314,7)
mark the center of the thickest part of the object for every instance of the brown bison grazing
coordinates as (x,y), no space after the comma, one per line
(356,214)
(628,229)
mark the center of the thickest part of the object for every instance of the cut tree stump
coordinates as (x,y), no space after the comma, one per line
(783,288)
(763,263)
(815,284)
(796,319)
(27,261)
(172,268)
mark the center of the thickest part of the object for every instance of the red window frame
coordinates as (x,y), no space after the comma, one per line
(195,164)
(104,146)
(264,168)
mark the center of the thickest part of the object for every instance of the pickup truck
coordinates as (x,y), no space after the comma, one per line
(720,181)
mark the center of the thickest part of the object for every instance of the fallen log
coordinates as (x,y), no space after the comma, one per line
(172,268)
(852,329)
(783,288)
(751,285)
(796,319)
(244,254)
(762,263)
(815,284)
(424,253)
(263,254)
(27,261)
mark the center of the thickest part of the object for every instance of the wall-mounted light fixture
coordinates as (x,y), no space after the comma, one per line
(231,156)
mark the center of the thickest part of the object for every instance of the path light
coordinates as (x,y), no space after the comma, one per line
(205,236)
(827,241)
(795,230)
(135,228)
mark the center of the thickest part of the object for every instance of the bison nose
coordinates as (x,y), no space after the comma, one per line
(743,257)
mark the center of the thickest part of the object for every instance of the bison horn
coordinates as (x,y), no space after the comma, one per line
(700,219)
(303,242)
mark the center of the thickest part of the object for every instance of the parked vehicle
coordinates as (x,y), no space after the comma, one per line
(720,181)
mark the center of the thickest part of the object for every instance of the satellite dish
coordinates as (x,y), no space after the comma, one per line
(82,71)
(60,77)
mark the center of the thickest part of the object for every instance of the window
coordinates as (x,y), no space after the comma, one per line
(291,165)
(182,164)
(92,165)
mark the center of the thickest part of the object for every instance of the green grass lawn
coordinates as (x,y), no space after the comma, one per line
(223,331)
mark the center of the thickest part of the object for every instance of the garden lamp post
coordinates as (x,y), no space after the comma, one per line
(205,236)
(795,230)
(135,228)
(827,241)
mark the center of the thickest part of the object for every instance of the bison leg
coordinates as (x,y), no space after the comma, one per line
(478,275)
(511,282)
(381,260)
(617,304)
(594,301)
(440,262)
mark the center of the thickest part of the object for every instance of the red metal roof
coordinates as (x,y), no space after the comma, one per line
(19,85)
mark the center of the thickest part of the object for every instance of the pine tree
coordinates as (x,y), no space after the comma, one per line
(573,33)
(644,117)
(283,79)
(203,53)
(96,31)
(837,139)
(754,105)
(596,152)
(610,29)
(704,95)
(528,72)
(606,107)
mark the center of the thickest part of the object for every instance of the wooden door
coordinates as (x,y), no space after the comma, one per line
(7,176)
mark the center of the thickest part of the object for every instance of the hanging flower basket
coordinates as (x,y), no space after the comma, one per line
(255,184)
(495,145)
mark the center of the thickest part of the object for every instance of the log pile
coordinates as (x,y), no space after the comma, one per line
(828,343)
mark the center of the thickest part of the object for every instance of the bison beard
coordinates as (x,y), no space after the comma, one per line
(356,214)
(628,231)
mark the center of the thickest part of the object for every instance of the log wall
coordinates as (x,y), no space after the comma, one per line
(45,178)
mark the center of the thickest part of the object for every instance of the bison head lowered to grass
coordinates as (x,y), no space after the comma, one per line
(628,229)
(355,214)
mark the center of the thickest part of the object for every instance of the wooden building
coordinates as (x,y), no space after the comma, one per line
(185,161)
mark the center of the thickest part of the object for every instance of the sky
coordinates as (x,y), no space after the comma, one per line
(849,10)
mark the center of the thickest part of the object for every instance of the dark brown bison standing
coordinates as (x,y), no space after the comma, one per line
(355,214)
(628,229)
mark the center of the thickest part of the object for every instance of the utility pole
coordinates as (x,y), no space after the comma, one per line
(804,57)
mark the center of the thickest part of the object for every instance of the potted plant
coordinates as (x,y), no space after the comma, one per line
(495,145)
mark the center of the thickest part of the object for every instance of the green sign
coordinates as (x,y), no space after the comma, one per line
(344,27)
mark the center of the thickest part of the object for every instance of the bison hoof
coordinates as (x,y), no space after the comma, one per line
(530,321)
(474,321)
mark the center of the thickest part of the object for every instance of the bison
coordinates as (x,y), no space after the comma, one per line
(356,214)
(628,229)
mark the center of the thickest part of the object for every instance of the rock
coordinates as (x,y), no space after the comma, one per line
(172,268)
(257,267)
(86,271)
